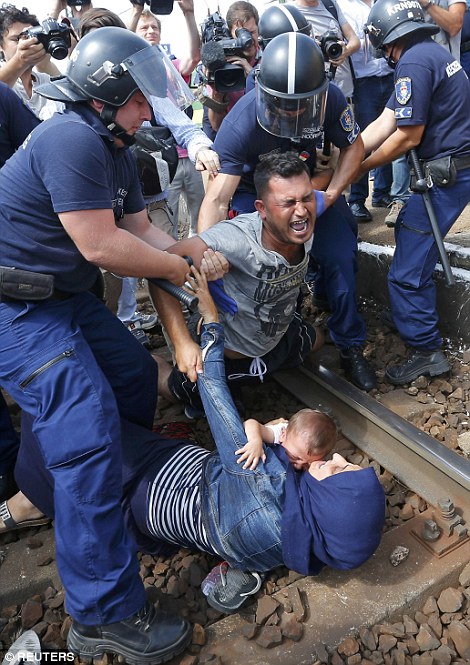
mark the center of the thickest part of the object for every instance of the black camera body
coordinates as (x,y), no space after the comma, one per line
(54,36)
(218,44)
(156,6)
(331,45)
(215,29)
(78,3)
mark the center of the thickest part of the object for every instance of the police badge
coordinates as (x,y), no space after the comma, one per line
(403,90)
(347,119)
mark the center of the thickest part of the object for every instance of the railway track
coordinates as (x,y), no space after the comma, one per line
(415,458)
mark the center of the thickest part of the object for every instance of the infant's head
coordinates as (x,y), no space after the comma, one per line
(309,436)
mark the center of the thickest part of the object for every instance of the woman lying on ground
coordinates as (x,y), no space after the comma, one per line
(176,493)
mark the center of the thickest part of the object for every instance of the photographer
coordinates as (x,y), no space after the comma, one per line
(239,15)
(22,57)
(327,17)
(73,9)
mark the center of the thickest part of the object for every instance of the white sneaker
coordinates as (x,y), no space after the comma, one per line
(148,321)
(391,218)
(136,329)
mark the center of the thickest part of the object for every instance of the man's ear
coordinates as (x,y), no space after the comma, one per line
(95,104)
(261,208)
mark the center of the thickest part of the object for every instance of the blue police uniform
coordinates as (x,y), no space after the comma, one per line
(68,361)
(16,122)
(431,89)
(241,143)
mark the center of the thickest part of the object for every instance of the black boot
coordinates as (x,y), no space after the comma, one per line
(357,369)
(149,637)
(432,363)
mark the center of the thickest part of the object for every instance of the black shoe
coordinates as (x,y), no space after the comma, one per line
(384,202)
(149,637)
(357,369)
(233,589)
(432,363)
(360,212)
(8,486)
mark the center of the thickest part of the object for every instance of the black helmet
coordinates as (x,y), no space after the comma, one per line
(291,87)
(391,19)
(280,19)
(109,65)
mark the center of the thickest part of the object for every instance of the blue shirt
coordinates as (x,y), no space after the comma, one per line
(70,162)
(16,122)
(432,89)
(241,142)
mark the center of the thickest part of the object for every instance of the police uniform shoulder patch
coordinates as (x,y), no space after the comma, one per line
(347,119)
(403,112)
(403,89)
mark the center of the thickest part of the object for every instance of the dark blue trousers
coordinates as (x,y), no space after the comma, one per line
(74,368)
(410,280)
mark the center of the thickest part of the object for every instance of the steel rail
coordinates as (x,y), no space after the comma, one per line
(415,458)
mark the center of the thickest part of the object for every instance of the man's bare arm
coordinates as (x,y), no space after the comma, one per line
(214,207)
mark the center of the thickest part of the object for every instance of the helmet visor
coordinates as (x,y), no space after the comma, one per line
(156,76)
(291,117)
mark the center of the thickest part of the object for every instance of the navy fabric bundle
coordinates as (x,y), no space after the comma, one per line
(336,522)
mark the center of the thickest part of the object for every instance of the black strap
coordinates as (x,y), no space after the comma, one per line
(331,7)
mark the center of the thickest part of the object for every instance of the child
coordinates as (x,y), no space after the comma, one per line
(307,437)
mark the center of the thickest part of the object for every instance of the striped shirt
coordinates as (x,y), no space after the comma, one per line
(174,501)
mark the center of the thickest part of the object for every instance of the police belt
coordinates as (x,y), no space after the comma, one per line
(461,162)
(25,285)
(464,47)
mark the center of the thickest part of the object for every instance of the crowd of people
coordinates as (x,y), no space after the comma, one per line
(301,105)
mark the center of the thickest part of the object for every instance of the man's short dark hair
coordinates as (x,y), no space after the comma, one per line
(10,14)
(280,165)
(241,11)
(98,18)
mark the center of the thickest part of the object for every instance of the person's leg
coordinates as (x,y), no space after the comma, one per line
(77,426)
(127,303)
(334,250)
(161,217)
(9,445)
(193,192)
(410,281)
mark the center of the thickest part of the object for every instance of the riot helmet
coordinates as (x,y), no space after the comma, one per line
(279,19)
(391,19)
(110,65)
(292,87)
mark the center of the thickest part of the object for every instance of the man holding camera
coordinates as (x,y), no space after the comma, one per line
(241,25)
(327,20)
(23,57)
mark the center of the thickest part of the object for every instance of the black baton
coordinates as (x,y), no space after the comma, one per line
(421,186)
(177,292)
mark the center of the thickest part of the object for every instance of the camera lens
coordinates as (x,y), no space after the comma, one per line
(57,49)
(334,50)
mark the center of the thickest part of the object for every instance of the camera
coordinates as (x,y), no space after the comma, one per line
(331,45)
(156,6)
(217,45)
(78,3)
(54,36)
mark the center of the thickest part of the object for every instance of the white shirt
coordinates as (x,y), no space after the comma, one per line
(364,61)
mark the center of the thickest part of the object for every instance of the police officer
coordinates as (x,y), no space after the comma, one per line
(70,201)
(292,107)
(428,111)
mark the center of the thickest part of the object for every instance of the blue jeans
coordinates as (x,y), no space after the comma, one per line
(371,94)
(74,369)
(242,509)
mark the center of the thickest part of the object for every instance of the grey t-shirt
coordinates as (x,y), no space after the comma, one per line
(261,281)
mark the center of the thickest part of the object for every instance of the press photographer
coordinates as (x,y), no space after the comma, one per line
(230,51)
(25,62)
